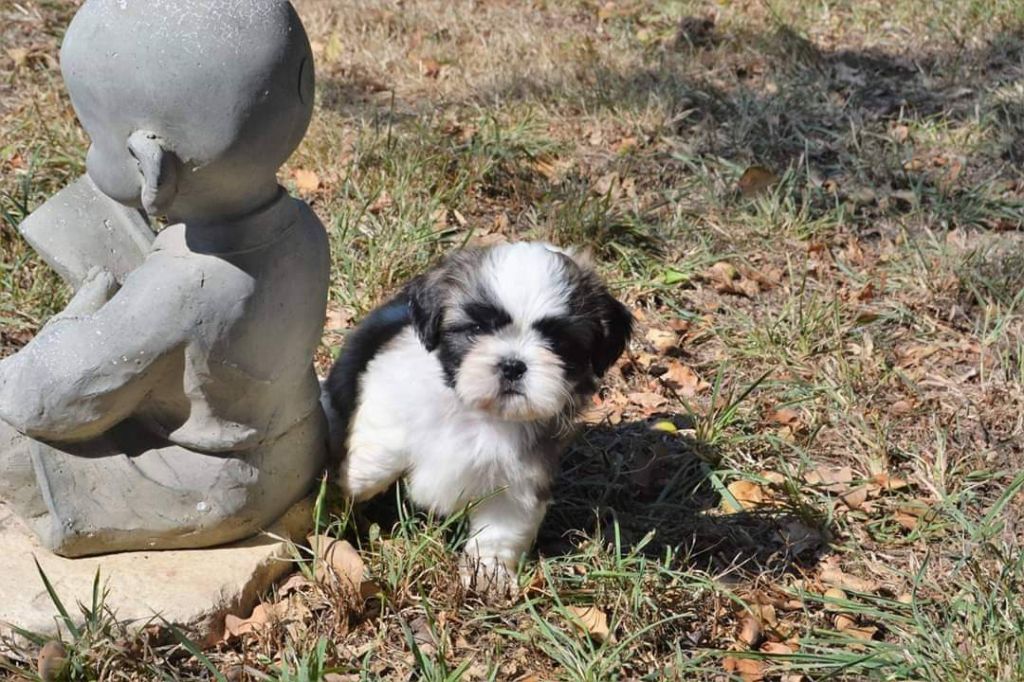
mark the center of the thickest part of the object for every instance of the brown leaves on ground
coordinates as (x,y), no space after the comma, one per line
(748,669)
(750,631)
(592,621)
(857,493)
(337,560)
(431,68)
(749,495)
(647,401)
(306,181)
(661,340)
(727,279)
(683,380)
(262,616)
(655,378)
(831,573)
(338,574)
(755,180)
(338,317)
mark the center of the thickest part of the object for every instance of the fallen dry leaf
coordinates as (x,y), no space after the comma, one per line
(835,576)
(888,482)
(551,168)
(749,669)
(662,340)
(765,613)
(647,400)
(750,631)
(262,614)
(777,648)
(907,521)
(306,181)
(591,621)
(294,583)
(831,479)
(337,557)
(844,621)
(683,380)
(785,417)
(849,626)
(431,68)
(747,493)
(19,55)
(338,317)
(722,271)
(755,180)
(855,499)
(726,279)
(626,145)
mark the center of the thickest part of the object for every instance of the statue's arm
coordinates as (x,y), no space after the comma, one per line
(91,366)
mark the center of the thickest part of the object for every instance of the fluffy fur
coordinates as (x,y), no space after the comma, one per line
(467,384)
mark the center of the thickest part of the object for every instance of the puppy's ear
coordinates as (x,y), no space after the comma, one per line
(426,308)
(616,330)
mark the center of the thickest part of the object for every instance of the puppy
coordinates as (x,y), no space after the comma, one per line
(467,384)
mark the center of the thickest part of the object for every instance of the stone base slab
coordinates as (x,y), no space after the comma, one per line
(194,589)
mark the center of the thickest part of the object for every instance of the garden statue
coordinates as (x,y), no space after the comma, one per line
(173,403)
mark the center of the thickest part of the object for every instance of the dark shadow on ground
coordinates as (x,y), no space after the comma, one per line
(651,491)
(648,491)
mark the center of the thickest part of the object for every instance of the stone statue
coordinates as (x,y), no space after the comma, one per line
(173,403)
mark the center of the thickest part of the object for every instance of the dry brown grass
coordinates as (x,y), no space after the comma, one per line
(808,467)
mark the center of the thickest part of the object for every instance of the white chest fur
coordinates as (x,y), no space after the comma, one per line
(409,421)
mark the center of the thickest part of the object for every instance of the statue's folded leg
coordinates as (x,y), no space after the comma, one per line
(126,492)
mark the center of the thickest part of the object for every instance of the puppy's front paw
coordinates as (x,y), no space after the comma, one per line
(488,578)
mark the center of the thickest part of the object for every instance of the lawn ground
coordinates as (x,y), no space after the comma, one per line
(807,468)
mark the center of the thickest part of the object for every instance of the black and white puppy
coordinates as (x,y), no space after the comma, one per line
(467,384)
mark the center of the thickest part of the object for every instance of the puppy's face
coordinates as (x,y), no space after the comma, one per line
(522,330)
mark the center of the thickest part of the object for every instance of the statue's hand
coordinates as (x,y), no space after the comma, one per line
(98,287)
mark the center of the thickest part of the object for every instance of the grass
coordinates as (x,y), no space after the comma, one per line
(845,349)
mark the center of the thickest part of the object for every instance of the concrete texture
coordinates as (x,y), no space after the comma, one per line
(81,227)
(173,403)
(194,589)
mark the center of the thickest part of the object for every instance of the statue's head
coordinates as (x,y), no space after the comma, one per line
(187,96)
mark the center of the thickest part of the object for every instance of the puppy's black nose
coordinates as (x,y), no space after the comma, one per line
(512,369)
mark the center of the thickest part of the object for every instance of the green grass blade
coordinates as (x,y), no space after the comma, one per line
(76,633)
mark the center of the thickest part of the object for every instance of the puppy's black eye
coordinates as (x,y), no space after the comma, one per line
(469,329)
(569,338)
(485,318)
